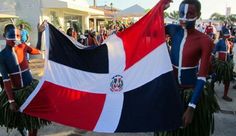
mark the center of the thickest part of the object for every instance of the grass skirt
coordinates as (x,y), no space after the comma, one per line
(10,119)
(223,70)
(203,120)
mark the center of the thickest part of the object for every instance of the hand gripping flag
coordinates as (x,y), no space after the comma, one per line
(124,85)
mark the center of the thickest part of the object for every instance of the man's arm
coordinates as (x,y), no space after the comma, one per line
(33,51)
(6,81)
(7,86)
(28,37)
(41,28)
(39,43)
(206,49)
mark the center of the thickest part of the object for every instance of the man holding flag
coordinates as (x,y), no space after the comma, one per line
(18,83)
(123,85)
(190,56)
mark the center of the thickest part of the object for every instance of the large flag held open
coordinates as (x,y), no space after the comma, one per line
(124,85)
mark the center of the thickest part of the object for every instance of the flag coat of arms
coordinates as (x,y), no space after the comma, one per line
(124,85)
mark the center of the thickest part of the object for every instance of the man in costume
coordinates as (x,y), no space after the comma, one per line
(223,64)
(190,55)
(18,83)
(210,30)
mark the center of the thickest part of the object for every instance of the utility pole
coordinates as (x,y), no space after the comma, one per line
(111,5)
(94,3)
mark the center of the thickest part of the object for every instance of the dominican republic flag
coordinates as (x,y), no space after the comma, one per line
(124,85)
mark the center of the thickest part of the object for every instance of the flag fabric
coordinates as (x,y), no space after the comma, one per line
(124,85)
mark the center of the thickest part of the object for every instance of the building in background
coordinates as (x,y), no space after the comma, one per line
(61,13)
(96,21)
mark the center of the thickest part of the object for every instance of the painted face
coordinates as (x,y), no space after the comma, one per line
(226,33)
(13,34)
(187,15)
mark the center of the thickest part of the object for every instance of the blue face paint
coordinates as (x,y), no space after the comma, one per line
(187,15)
(190,24)
(12,34)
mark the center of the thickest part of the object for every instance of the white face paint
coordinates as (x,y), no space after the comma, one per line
(184,11)
(17,42)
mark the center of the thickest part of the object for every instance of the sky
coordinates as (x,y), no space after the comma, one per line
(208,6)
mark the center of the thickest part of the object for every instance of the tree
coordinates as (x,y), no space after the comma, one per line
(27,25)
(218,17)
(231,18)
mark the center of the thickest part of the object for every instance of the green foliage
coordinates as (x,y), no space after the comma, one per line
(232,18)
(219,17)
(77,26)
(55,19)
(28,27)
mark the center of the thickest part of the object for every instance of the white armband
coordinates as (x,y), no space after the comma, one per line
(11,101)
(192,105)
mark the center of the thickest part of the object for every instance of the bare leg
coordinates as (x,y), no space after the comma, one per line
(226,90)
(33,132)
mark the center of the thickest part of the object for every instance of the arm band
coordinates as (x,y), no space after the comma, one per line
(197,91)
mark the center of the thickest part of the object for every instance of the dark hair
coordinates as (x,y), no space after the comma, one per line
(7,27)
(21,25)
(69,31)
(194,2)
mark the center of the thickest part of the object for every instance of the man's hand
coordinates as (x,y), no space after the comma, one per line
(188,116)
(13,106)
(42,27)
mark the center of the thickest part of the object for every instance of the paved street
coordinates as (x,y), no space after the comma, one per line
(225,120)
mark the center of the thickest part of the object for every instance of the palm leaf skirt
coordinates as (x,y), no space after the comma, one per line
(223,70)
(10,119)
(203,120)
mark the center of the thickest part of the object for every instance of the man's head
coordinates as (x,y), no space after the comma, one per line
(189,12)
(70,31)
(225,33)
(22,26)
(12,34)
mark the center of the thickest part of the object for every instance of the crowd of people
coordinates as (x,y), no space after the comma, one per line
(214,30)
(94,38)
(223,34)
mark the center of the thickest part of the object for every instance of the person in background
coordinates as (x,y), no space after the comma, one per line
(102,35)
(92,38)
(190,56)
(210,31)
(223,65)
(25,38)
(72,33)
(18,82)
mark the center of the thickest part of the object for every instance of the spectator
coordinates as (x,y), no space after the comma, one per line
(25,38)
(210,31)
